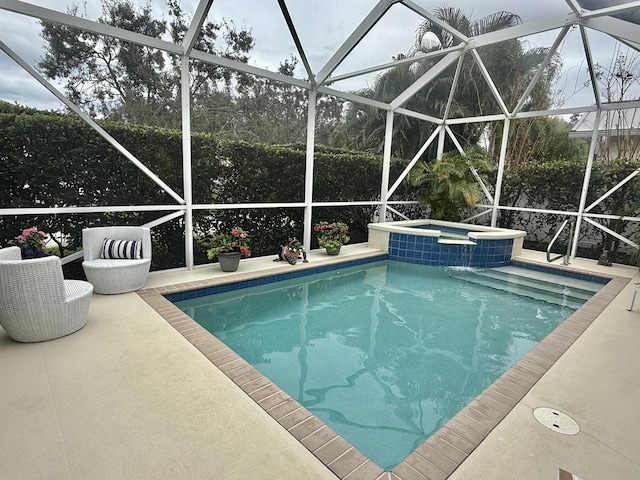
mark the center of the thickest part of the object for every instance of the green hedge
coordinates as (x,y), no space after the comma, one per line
(557,185)
(54,160)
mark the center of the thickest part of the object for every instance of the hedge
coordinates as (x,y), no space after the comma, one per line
(55,160)
(50,159)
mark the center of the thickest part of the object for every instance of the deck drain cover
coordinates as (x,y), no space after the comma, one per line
(556,421)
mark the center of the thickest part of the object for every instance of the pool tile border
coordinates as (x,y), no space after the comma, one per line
(266,277)
(441,454)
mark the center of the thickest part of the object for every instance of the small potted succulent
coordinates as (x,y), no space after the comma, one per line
(331,236)
(229,248)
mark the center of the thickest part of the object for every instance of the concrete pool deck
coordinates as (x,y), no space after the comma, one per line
(128,397)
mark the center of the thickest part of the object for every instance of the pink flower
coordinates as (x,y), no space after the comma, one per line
(236,240)
(30,238)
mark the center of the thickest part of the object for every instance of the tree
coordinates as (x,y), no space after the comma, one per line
(448,185)
(273,112)
(130,82)
(618,83)
(261,110)
(539,139)
(136,84)
(364,126)
(509,63)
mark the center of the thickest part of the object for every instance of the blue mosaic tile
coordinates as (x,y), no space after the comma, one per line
(227,287)
(427,251)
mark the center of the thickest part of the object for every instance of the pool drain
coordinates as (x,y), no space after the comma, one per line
(556,421)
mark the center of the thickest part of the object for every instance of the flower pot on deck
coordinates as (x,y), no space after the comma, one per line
(333,251)
(229,261)
(32,253)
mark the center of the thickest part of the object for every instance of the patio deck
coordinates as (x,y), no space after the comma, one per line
(128,397)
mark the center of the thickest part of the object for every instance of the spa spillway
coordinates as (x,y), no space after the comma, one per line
(435,242)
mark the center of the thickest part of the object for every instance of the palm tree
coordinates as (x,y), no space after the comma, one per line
(459,20)
(448,185)
(510,65)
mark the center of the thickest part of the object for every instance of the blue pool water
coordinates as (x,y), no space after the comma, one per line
(383,353)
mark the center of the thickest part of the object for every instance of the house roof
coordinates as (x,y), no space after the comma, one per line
(612,123)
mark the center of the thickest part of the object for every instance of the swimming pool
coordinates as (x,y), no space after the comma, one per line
(408,360)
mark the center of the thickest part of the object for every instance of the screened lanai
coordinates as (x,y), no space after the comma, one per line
(142,391)
(340,52)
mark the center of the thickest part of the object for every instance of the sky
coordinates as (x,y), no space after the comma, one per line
(322,26)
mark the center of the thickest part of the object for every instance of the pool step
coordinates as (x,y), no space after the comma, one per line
(557,284)
(542,295)
(547,287)
(570,282)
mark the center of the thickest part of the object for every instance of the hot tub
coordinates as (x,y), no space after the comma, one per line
(436,242)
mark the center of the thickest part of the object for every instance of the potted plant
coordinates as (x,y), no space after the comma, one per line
(31,242)
(331,236)
(292,252)
(229,248)
(296,248)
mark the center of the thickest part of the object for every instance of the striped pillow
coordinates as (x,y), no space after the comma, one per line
(127,249)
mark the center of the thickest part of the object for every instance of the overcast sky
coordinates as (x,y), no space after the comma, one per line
(322,26)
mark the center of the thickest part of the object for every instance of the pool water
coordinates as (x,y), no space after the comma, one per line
(383,353)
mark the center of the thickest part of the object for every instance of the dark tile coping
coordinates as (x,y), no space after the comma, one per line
(265,277)
(439,456)
(187,291)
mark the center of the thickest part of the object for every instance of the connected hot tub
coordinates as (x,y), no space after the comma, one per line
(435,242)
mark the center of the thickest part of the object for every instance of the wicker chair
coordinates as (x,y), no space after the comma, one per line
(36,302)
(113,276)
(10,253)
